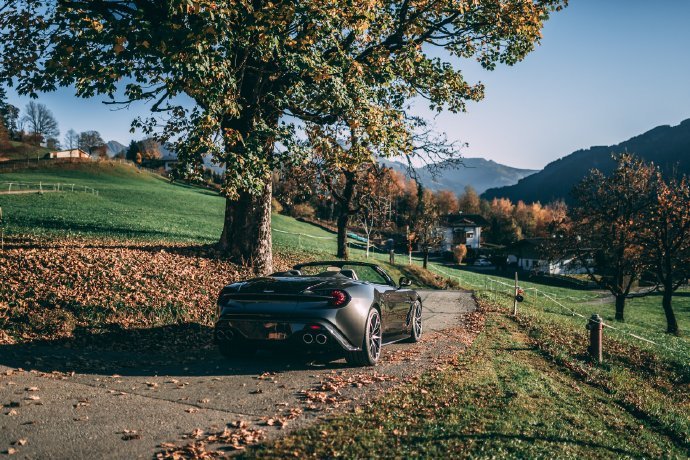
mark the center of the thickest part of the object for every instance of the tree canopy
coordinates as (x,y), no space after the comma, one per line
(227,74)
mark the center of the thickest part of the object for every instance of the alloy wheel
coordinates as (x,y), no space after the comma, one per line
(418,319)
(375,335)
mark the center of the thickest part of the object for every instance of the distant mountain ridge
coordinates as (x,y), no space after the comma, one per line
(480,173)
(114,147)
(667,146)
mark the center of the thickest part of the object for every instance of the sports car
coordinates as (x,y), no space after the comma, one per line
(342,308)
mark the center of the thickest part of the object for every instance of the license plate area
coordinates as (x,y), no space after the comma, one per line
(276,331)
(263,330)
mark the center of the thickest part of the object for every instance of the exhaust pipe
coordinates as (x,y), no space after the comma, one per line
(308,338)
(321,339)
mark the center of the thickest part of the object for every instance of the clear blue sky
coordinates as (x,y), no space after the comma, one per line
(606,70)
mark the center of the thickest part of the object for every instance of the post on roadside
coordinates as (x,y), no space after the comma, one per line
(391,256)
(515,295)
(596,332)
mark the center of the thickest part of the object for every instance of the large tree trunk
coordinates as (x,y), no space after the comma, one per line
(343,224)
(345,201)
(246,236)
(671,323)
(620,307)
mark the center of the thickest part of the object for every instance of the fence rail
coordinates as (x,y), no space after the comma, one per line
(41,187)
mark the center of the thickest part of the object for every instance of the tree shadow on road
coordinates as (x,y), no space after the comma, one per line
(175,350)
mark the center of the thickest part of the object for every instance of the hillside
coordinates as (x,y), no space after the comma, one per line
(480,173)
(136,205)
(22,151)
(667,146)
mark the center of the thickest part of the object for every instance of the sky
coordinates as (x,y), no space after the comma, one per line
(606,70)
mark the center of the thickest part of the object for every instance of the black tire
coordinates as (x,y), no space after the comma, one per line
(417,324)
(371,344)
(236,350)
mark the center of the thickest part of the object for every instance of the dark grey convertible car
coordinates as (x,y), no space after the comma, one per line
(335,307)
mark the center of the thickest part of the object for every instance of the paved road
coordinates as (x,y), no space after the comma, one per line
(125,393)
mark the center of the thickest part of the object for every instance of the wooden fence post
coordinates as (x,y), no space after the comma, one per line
(515,302)
(596,332)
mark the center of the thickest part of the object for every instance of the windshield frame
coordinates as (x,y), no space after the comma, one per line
(341,263)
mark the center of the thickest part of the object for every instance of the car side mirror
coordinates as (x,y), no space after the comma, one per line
(404,281)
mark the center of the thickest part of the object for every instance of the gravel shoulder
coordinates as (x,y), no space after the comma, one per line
(135,394)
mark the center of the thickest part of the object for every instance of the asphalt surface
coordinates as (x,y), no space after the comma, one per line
(123,394)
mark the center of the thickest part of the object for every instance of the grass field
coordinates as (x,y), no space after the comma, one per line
(644,316)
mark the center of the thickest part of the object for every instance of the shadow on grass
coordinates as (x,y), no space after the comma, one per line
(492,436)
(180,350)
(182,248)
(58,228)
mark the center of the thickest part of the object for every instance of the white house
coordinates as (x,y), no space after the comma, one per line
(532,255)
(72,153)
(462,229)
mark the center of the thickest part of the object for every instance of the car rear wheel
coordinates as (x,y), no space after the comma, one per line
(236,350)
(417,325)
(371,345)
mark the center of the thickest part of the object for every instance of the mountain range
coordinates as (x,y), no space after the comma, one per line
(667,146)
(479,173)
(114,147)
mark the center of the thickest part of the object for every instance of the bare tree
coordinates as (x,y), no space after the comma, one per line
(89,140)
(71,139)
(426,233)
(374,203)
(40,122)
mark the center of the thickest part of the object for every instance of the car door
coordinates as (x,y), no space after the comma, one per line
(390,310)
(389,300)
(403,298)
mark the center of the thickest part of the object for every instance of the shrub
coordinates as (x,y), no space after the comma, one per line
(303,210)
(276,207)
(459,253)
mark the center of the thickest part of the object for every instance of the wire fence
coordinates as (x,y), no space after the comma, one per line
(497,289)
(41,187)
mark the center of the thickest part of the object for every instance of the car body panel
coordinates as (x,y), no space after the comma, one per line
(280,309)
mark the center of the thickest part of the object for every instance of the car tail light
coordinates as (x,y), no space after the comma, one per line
(339,298)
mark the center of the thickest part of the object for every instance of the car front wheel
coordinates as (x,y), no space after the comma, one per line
(417,325)
(371,345)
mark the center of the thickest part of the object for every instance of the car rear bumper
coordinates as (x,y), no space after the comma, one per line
(309,334)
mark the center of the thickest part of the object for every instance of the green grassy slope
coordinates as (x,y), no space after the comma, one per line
(130,204)
(133,204)
(644,316)
(503,398)
(23,151)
